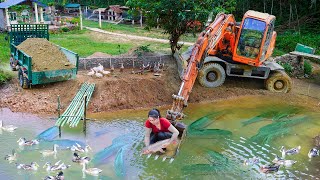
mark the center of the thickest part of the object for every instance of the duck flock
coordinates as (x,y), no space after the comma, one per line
(277,162)
(59,166)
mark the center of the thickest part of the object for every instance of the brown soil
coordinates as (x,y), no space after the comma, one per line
(129,91)
(45,55)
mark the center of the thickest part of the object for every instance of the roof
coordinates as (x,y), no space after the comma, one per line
(115,8)
(10,3)
(70,5)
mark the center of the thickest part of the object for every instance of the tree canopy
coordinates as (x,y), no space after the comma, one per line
(178,17)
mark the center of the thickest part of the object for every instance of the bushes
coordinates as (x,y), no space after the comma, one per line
(64,29)
(4,76)
(307,68)
(287,67)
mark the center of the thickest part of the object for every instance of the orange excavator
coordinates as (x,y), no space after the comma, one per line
(227,48)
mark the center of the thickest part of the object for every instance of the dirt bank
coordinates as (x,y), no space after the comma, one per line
(128,91)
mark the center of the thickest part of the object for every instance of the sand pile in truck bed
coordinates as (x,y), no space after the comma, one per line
(45,55)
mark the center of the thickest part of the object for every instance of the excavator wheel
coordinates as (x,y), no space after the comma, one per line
(279,81)
(212,75)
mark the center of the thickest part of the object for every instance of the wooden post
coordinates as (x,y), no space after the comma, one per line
(99,18)
(80,14)
(59,107)
(85,115)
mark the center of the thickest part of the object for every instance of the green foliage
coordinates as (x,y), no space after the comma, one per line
(4,76)
(20,8)
(174,16)
(75,20)
(65,29)
(4,48)
(287,67)
(307,67)
(141,49)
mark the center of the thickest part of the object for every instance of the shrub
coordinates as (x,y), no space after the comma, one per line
(142,49)
(75,20)
(65,29)
(287,67)
(4,76)
(307,68)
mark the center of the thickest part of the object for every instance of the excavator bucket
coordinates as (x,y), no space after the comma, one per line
(182,60)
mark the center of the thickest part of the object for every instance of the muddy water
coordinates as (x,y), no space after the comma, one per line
(201,156)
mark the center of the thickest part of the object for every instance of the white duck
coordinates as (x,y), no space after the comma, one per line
(251,161)
(59,176)
(105,72)
(78,148)
(49,152)
(290,151)
(78,159)
(91,73)
(24,142)
(55,167)
(9,128)
(98,68)
(98,75)
(34,166)
(287,163)
(11,157)
(91,171)
(313,153)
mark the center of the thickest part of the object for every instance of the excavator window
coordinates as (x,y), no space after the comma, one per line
(251,38)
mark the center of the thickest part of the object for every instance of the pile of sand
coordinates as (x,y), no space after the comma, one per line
(45,55)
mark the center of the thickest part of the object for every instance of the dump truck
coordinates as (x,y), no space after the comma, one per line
(227,48)
(24,62)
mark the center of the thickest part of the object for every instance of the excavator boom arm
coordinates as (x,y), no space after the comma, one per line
(208,39)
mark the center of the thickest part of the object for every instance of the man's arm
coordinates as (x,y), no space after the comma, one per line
(147,136)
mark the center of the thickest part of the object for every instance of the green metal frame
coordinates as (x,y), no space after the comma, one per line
(20,32)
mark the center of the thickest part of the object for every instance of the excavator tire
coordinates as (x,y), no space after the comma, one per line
(279,81)
(212,75)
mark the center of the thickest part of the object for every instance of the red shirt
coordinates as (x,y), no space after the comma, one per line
(164,125)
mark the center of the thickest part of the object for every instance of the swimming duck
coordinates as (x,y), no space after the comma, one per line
(9,128)
(77,159)
(33,166)
(59,176)
(24,142)
(91,171)
(313,153)
(56,166)
(11,157)
(251,161)
(269,168)
(290,151)
(78,148)
(49,152)
(287,163)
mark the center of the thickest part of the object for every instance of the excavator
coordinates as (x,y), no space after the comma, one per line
(227,48)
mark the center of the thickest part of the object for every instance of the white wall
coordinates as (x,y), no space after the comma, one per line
(3,23)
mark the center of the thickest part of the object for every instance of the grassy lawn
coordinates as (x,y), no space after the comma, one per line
(4,49)
(136,30)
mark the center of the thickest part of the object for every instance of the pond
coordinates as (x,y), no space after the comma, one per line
(256,126)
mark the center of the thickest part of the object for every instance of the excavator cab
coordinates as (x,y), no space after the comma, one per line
(255,37)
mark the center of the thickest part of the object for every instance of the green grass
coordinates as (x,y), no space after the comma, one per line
(82,44)
(286,42)
(4,49)
(136,30)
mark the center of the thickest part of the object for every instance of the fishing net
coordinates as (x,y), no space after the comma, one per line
(49,134)
(197,128)
(119,164)
(274,115)
(276,129)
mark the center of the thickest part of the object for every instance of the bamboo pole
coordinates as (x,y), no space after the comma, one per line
(85,115)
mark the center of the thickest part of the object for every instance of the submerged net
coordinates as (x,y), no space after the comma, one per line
(273,115)
(218,163)
(49,134)
(197,128)
(276,129)
(119,164)
(104,154)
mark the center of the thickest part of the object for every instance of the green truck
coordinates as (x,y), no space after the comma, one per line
(22,62)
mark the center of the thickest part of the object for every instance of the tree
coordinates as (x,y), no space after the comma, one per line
(175,16)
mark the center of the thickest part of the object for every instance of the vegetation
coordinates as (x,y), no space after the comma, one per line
(307,68)
(176,17)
